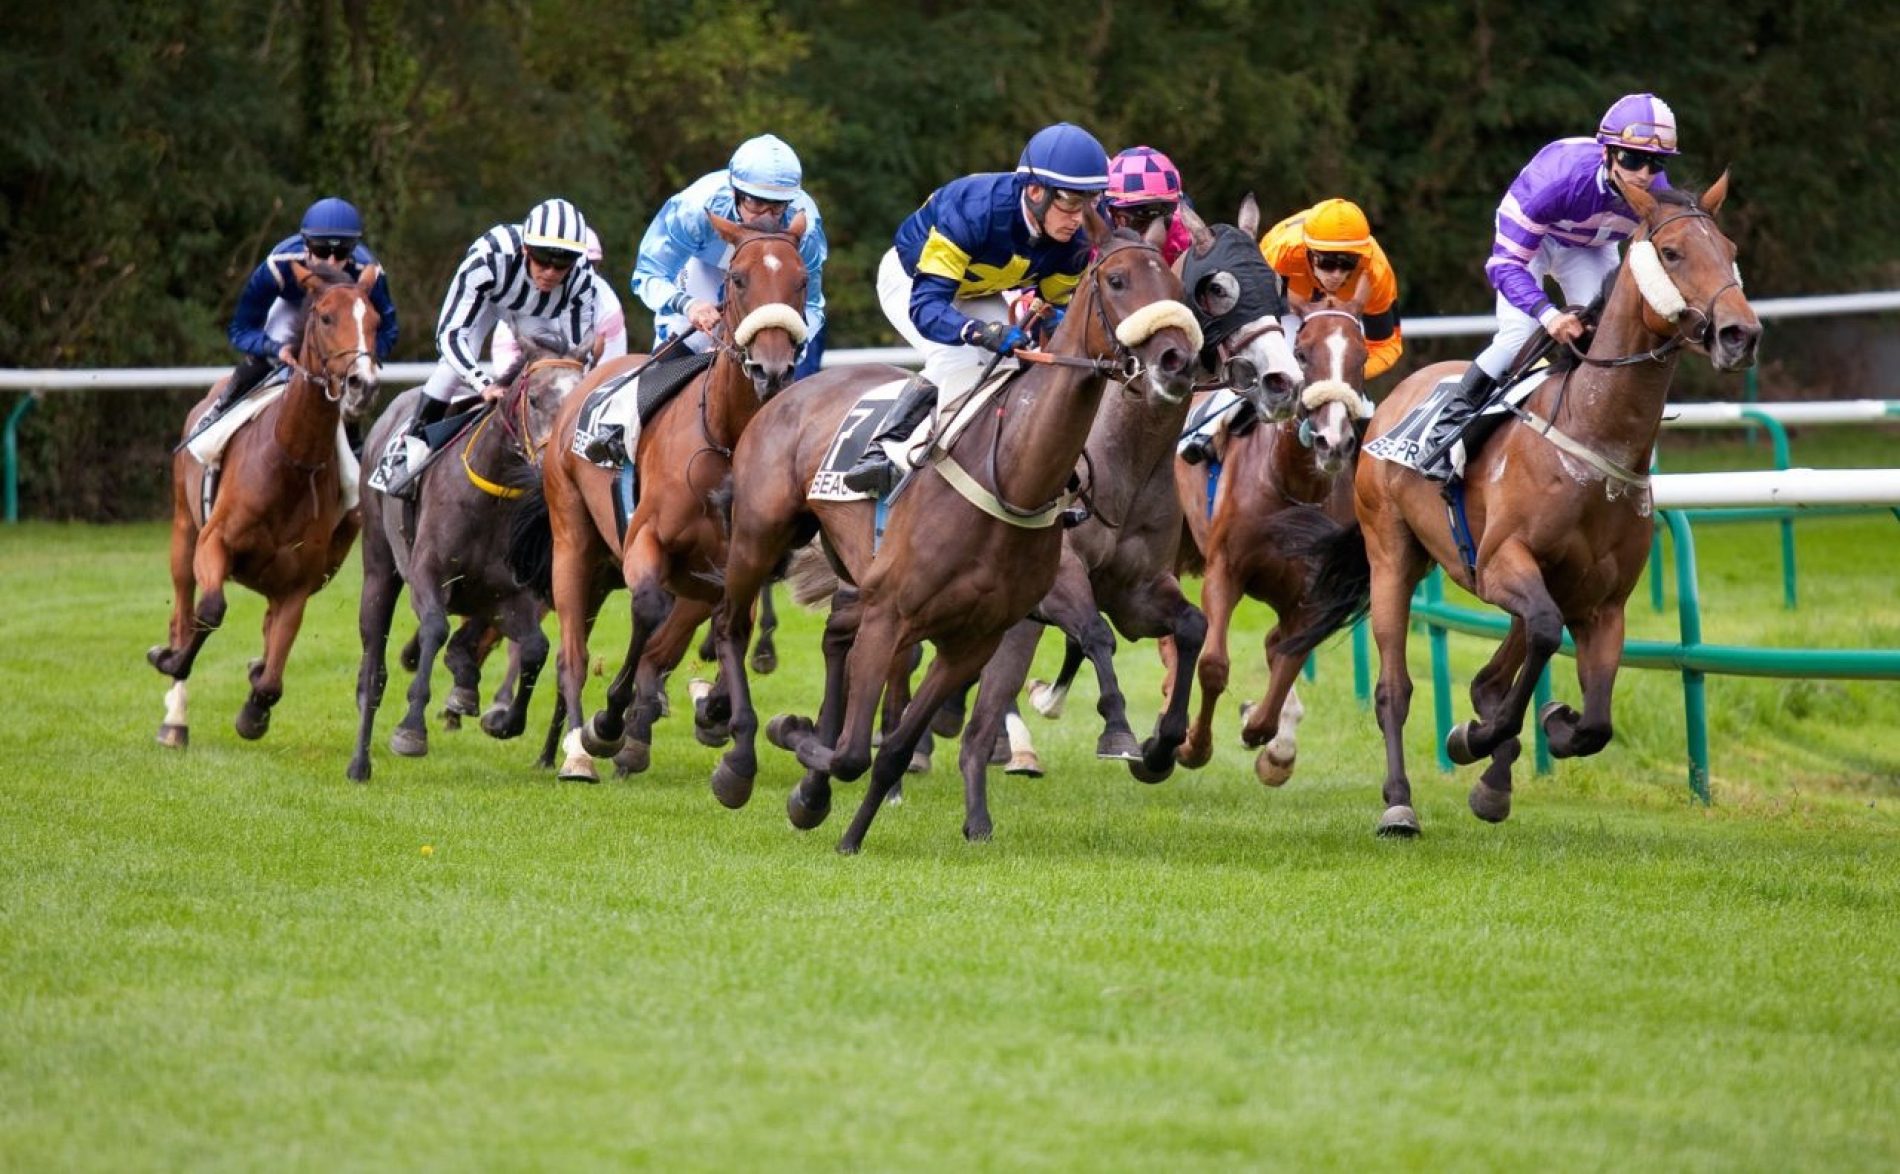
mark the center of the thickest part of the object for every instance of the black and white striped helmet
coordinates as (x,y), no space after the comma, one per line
(555,224)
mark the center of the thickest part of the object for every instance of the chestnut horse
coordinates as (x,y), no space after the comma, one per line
(1558,506)
(971,544)
(278,523)
(675,545)
(1292,462)
(451,548)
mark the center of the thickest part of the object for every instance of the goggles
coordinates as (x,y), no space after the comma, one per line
(752,205)
(1334,262)
(329,248)
(1140,216)
(1069,201)
(1637,160)
(548,258)
(1648,134)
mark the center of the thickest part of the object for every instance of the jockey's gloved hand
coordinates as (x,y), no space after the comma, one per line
(1048,320)
(1000,337)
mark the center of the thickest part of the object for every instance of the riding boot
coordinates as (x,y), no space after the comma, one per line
(1441,460)
(249,370)
(874,472)
(400,474)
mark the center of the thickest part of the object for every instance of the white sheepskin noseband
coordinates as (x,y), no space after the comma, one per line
(1155,317)
(1335,391)
(767,317)
(1654,284)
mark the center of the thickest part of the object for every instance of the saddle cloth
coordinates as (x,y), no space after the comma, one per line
(867,419)
(207,448)
(1405,443)
(630,401)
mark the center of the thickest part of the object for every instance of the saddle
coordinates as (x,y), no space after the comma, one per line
(868,418)
(652,386)
(1406,441)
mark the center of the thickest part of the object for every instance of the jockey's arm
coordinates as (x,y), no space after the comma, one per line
(387,330)
(253,311)
(675,236)
(932,311)
(470,290)
(812,250)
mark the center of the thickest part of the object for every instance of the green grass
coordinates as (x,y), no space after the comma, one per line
(232,957)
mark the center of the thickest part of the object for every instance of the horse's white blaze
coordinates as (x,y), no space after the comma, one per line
(771,264)
(177,703)
(1155,317)
(1336,358)
(774,315)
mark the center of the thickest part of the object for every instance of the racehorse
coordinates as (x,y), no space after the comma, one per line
(1558,506)
(451,547)
(1305,460)
(674,548)
(277,523)
(971,544)
(1122,560)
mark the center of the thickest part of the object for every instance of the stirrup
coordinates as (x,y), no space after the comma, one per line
(608,446)
(874,473)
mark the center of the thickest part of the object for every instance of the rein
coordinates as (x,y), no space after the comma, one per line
(513,411)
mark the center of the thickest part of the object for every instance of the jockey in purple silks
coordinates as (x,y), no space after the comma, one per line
(1563,217)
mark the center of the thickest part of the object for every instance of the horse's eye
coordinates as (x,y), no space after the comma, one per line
(1670,255)
(1117,282)
(738,280)
(327,319)
(1299,355)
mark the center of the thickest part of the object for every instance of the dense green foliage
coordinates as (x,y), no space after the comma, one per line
(151,153)
(233,958)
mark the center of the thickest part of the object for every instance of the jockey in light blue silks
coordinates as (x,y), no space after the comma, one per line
(680,273)
(974,240)
(1563,217)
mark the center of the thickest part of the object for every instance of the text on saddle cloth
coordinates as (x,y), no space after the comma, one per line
(868,418)
(1406,441)
(630,400)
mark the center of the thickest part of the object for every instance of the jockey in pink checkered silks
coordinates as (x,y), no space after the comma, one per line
(1143,187)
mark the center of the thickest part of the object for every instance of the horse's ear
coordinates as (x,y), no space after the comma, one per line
(1098,228)
(1197,228)
(1156,233)
(366,281)
(1711,200)
(1249,218)
(797,227)
(730,231)
(1640,201)
(304,276)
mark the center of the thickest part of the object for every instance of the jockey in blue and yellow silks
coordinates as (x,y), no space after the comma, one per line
(942,282)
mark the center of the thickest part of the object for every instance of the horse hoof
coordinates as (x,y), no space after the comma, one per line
(1398,822)
(919,762)
(1145,774)
(1270,770)
(633,758)
(979,833)
(174,737)
(786,730)
(359,769)
(596,745)
(806,815)
(463,702)
(409,743)
(1194,755)
(946,723)
(1458,744)
(764,662)
(1044,699)
(1492,806)
(714,735)
(1024,763)
(732,789)
(578,768)
(495,724)
(252,723)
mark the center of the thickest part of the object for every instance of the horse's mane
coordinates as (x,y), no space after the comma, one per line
(1681,197)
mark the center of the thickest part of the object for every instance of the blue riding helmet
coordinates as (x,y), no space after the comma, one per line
(766,168)
(332,216)
(1065,156)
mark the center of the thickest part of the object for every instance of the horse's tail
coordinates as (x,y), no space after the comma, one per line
(1341,586)
(1188,559)
(811,577)
(531,544)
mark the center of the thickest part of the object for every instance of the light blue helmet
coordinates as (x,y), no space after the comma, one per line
(1065,156)
(766,168)
(555,224)
(332,216)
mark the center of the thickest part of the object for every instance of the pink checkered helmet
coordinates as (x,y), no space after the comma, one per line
(1142,175)
(1640,122)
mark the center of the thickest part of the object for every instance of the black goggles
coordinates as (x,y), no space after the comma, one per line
(1335,262)
(1140,216)
(1638,160)
(552,258)
(329,248)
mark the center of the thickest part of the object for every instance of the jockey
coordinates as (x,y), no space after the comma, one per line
(680,273)
(610,321)
(1326,249)
(1563,217)
(1143,186)
(975,239)
(265,323)
(533,274)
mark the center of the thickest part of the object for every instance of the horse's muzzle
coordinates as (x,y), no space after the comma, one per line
(768,379)
(359,392)
(1735,346)
(1278,398)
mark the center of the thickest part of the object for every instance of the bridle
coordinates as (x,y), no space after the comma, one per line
(1702,336)
(326,382)
(513,410)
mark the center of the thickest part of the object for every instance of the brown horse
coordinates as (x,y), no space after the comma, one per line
(1295,462)
(1558,506)
(674,548)
(451,548)
(277,523)
(971,544)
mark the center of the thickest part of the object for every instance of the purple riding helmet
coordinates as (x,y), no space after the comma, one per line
(1639,122)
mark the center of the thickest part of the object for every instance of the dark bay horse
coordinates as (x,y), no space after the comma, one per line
(451,548)
(958,566)
(1558,504)
(674,549)
(1298,461)
(278,523)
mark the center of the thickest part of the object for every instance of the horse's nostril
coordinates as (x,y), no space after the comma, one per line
(1172,361)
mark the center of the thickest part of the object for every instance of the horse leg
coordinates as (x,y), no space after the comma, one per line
(665,648)
(1513,581)
(765,655)
(1001,677)
(410,738)
(506,691)
(896,701)
(649,604)
(175,730)
(1599,652)
(576,602)
(1163,607)
(1046,697)
(1219,596)
(521,623)
(377,607)
(1393,575)
(462,656)
(809,803)
(1271,724)
(282,622)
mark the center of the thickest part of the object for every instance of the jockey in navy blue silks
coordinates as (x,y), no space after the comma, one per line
(942,282)
(265,323)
